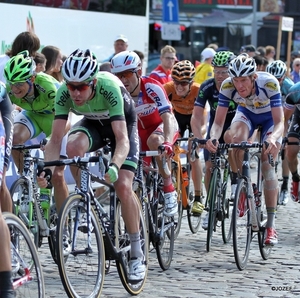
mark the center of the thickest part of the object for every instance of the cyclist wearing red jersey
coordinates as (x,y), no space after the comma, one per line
(182,92)
(156,122)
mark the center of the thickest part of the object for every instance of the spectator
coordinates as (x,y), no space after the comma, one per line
(261,62)
(40,62)
(24,41)
(261,50)
(54,62)
(120,45)
(213,46)
(270,53)
(204,71)
(162,72)
(296,70)
(105,66)
(141,55)
(250,50)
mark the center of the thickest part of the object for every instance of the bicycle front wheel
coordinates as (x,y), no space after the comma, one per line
(164,235)
(27,274)
(194,219)
(82,271)
(23,208)
(123,244)
(212,215)
(241,225)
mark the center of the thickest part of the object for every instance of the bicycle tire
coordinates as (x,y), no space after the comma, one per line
(27,217)
(82,274)
(164,236)
(194,220)
(178,186)
(212,213)
(52,232)
(26,250)
(123,243)
(241,226)
(227,205)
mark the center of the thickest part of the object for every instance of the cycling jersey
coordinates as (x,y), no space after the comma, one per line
(182,105)
(293,97)
(267,94)
(161,75)
(111,102)
(6,109)
(45,88)
(285,87)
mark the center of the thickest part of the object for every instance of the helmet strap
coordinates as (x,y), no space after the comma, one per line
(30,83)
(138,83)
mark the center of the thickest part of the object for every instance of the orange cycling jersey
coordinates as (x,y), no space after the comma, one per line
(182,105)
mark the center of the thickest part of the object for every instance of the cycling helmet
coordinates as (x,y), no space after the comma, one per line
(242,66)
(183,71)
(126,60)
(80,66)
(19,68)
(277,68)
(222,59)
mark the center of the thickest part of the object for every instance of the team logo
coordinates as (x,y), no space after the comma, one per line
(272,86)
(227,85)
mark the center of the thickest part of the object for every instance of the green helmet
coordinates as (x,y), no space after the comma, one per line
(19,68)
(222,59)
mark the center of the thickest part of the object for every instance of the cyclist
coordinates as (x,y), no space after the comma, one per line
(6,109)
(156,122)
(182,93)
(6,290)
(291,108)
(278,69)
(259,103)
(209,92)
(108,112)
(35,94)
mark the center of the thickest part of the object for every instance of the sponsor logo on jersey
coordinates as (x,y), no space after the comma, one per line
(272,86)
(227,85)
(109,96)
(65,95)
(40,88)
(154,95)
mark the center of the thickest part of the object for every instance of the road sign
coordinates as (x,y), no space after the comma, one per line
(170,31)
(170,11)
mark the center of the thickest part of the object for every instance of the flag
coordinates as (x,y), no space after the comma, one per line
(29,23)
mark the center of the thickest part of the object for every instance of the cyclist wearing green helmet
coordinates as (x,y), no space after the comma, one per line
(34,93)
(209,93)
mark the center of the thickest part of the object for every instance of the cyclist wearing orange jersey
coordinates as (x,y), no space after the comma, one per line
(182,92)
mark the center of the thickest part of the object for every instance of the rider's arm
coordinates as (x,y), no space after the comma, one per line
(198,113)
(169,126)
(217,127)
(277,115)
(287,115)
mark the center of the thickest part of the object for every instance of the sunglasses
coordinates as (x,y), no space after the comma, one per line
(80,88)
(125,74)
(221,73)
(170,58)
(17,85)
(297,64)
(182,83)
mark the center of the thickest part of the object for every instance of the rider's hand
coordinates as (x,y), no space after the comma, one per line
(212,145)
(43,178)
(168,149)
(111,174)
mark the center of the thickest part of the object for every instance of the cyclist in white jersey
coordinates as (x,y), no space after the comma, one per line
(259,99)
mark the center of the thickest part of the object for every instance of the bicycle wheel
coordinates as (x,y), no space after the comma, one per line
(176,179)
(27,274)
(82,274)
(52,232)
(241,226)
(194,220)
(227,205)
(212,197)
(164,235)
(23,209)
(123,244)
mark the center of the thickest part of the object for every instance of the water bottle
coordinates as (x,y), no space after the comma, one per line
(45,198)
(185,177)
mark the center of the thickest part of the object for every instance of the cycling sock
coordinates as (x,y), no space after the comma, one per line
(233,178)
(271,217)
(285,183)
(168,185)
(135,243)
(295,176)
(5,282)
(198,196)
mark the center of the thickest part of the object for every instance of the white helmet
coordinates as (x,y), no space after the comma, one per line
(242,66)
(277,68)
(126,60)
(80,66)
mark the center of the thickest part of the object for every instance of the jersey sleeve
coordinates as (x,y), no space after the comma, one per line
(226,93)
(202,98)
(63,103)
